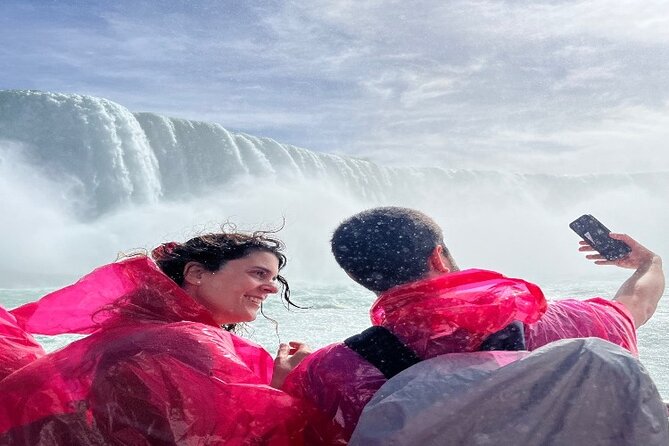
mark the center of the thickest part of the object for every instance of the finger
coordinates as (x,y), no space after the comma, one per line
(300,355)
(304,349)
(284,350)
(586,248)
(623,238)
(300,346)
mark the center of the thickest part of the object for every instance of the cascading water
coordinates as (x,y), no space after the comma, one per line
(83,178)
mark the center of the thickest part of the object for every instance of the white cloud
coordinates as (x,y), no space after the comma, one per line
(455,82)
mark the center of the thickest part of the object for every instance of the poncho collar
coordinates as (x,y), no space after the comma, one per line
(455,312)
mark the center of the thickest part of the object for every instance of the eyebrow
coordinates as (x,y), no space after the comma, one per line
(264,269)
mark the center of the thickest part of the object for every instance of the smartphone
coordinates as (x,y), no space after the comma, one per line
(597,235)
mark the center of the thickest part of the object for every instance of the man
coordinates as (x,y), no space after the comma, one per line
(427,307)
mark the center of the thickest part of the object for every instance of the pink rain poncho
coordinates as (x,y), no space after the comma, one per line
(17,348)
(156,370)
(453,313)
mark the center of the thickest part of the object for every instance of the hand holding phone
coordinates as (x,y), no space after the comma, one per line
(597,235)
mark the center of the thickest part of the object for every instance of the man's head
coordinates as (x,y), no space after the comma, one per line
(384,247)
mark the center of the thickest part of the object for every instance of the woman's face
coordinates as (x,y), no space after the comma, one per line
(235,291)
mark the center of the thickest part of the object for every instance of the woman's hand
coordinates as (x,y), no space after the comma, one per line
(287,358)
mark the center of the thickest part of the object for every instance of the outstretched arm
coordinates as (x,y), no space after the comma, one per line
(640,293)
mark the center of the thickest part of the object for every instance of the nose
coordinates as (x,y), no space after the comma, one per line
(270,288)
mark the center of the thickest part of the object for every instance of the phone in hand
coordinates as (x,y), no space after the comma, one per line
(597,235)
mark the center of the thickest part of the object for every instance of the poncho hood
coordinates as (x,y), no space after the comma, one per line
(128,291)
(460,308)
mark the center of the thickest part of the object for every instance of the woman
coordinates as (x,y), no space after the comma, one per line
(161,366)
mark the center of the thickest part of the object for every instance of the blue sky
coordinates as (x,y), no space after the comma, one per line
(556,87)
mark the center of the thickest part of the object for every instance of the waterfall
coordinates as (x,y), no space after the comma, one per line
(84,177)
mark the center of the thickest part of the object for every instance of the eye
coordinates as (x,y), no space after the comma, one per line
(260,274)
(263,275)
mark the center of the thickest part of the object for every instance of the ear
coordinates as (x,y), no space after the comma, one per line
(193,273)
(437,261)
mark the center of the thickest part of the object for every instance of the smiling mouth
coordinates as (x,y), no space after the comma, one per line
(255,300)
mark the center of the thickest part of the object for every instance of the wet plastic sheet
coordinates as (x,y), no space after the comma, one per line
(156,370)
(77,307)
(17,347)
(572,392)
